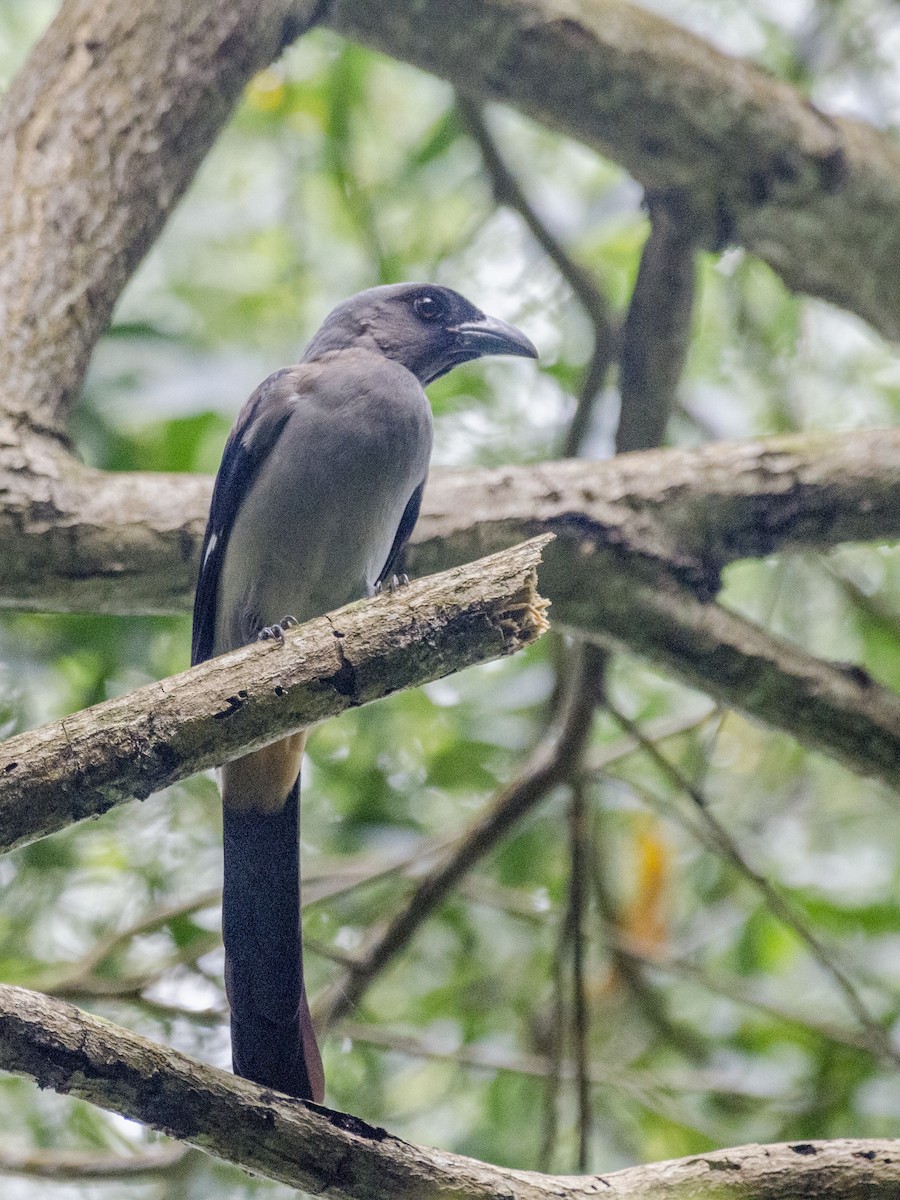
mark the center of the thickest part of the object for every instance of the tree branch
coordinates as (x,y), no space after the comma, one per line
(746,158)
(716,503)
(80,540)
(630,530)
(74,1167)
(100,134)
(741,156)
(589,294)
(835,708)
(336,1155)
(135,744)
(656,333)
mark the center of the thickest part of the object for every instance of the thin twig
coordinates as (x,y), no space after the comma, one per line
(738,992)
(556,1042)
(717,838)
(553,761)
(579,894)
(78,984)
(70,1166)
(625,950)
(648,1088)
(734,990)
(651,356)
(74,978)
(509,192)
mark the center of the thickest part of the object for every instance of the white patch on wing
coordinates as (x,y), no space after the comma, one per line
(213,542)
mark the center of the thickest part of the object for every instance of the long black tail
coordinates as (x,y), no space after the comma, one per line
(272,1037)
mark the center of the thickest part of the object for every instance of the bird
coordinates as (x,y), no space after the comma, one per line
(316,496)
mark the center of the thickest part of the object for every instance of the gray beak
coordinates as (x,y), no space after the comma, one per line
(488,335)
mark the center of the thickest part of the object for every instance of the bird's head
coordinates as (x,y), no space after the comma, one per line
(429,329)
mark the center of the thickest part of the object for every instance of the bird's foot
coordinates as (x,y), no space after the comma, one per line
(393,584)
(276,632)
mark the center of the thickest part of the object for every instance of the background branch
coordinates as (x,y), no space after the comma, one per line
(586,290)
(656,333)
(746,157)
(74,1167)
(86,185)
(742,156)
(553,761)
(837,709)
(77,540)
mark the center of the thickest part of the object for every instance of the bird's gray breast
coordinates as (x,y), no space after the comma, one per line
(317,525)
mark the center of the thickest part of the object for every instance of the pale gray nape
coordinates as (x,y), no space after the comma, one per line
(319,520)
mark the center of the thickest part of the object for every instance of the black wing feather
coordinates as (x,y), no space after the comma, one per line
(255,432)
(403,534)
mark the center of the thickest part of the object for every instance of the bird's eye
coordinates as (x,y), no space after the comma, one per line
(429,308)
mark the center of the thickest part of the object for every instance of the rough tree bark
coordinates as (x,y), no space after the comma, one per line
(100,135)
(80,540)
(138,743)
(741,156)
(333,1154)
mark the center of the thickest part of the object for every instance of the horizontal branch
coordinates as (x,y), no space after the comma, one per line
(73,1166)
(85,187)
(631,533)
(704,507)
(741,156)
(336,1155)
(79,540)
(135,744)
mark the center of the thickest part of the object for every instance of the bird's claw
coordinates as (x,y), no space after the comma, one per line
(276,632)
(393,584)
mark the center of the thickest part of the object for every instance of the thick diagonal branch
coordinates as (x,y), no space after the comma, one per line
(135,744)
(340,1157)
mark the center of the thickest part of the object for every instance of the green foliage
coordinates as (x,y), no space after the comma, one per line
(342,169)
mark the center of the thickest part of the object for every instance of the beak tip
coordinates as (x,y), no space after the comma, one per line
(490,336)
(519,346)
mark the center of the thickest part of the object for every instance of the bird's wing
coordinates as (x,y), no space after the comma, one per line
(402,536)
(255,432)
